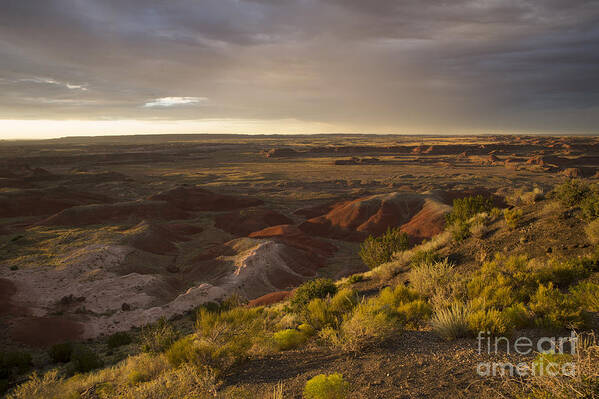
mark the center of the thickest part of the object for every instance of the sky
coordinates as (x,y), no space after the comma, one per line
(93,67)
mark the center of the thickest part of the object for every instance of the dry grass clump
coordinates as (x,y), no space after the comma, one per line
(452,322)
(437,281)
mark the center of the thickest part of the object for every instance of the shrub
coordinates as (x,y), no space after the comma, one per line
(468,207)
(289,339)
(343,302)
(181,351)
(516,316)
(15,361)
(84,359)
(478,229)
(563,273)
(61,353)
(394,297)
(375,251)
(487,320)
(158,337)
(512,217)
(118,339)
(460,230)
(592,231)
(571,192)
(425,256)
(306,329)
(415,313)
(586,294)
(430,279)
(554,310)
(224,338)
(356,278)
(367,322)
(451,323)
(322,386)
(317,288)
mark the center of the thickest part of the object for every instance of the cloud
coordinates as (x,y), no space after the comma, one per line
(401,65)
(50,81)
(174,101)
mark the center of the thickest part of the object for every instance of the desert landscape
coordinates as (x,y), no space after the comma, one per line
(109,235)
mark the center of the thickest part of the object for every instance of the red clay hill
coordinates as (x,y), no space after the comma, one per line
(420,215)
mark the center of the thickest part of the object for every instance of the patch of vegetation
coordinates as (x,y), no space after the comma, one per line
(436,281)
(355,278)
(512,217)
(572,192)
(555,310)
(317,288)
(452,323)
(118,339)
(375,251)
(61,353)
(323,386)
(289,339)
(466,208)
(83,359)
(592,231)
(158,337)
(14,362)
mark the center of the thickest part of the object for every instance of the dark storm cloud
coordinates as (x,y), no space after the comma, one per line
(405,64)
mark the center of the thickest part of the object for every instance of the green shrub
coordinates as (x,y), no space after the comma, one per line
(343,301)
(394,297)
(415,313)
(61,353)
(571,192)
(451,323)
(512,217)
(487,320)
(516,316)
(318,315)
(430,256)
(14,361)
(181,351)
(590,205)
(158,337)
(369,321)
(317,288)
(562,273)
(592,231)
(84,359)
(554,310)
(322,386)
(375,251)
(460,230)
(224,338)
(289,339)
(118,339)
(135,377)
(356,278)
(468,207)
(586,294)
(306,329)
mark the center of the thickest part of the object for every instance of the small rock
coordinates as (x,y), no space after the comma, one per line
(125,307)
(172,269)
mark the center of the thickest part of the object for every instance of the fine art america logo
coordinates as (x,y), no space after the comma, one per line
(556,356)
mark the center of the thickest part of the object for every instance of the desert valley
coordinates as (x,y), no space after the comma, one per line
(103,237)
